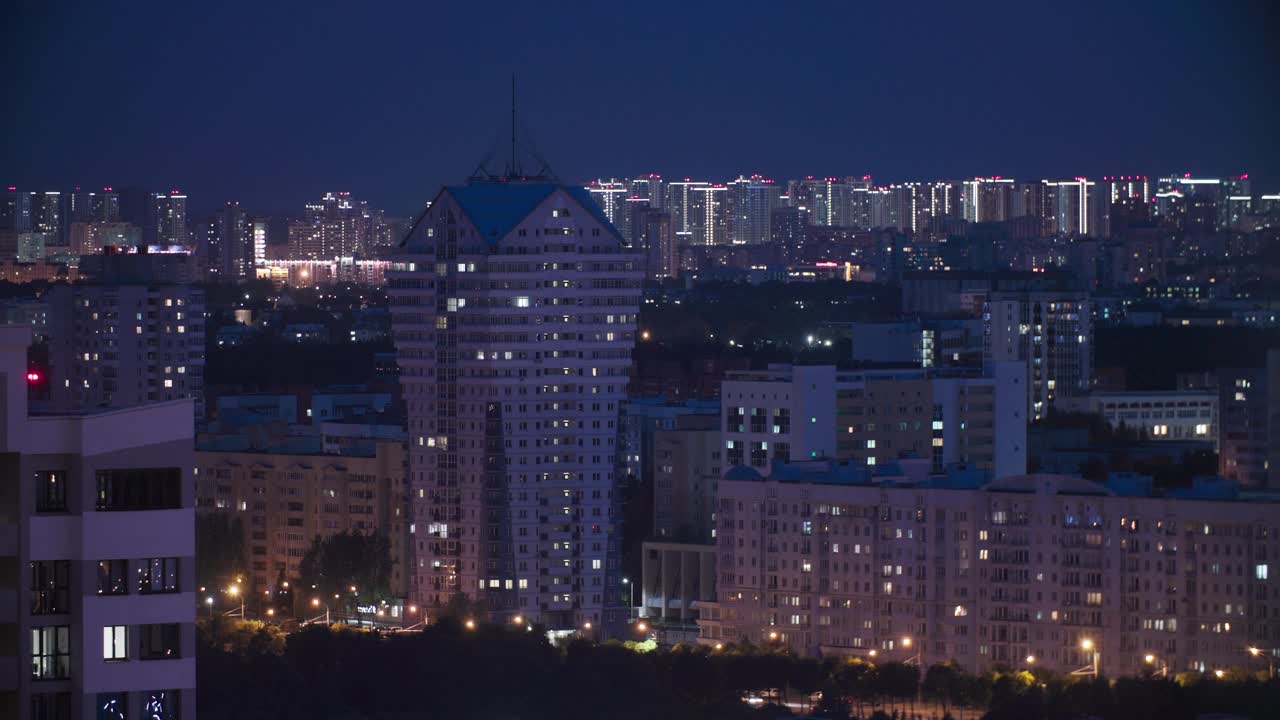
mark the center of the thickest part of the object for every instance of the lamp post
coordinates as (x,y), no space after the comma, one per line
(234,591)
(1092,668)
(315,605)
(1151,661)
(914,659)
(632,588)
(1271,659)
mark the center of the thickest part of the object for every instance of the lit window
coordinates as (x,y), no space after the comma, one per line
(1260,571)
(115,645)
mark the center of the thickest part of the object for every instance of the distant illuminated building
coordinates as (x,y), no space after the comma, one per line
(751,199)
(168,219)
(988,199)
(832,202)
(710,224)
(651,188)
(681,202)
(611,196)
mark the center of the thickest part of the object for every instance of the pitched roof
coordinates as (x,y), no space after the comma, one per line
(497,207)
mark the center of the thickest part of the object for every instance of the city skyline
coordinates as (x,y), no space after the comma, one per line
(853,76)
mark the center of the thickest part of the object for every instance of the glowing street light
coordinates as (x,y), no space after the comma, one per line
(1271,659)
(1031,659)
(1091,669)
(906,643)
(719,646)
(1218,674)
(519,620)
(773,634)
(586,626)
(315,602)
(470,624)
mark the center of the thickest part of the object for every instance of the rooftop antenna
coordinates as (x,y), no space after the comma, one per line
(513,169)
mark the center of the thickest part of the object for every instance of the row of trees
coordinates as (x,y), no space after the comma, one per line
(329,569)
(248,670)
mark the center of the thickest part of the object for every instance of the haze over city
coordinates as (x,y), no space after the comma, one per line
(272,104)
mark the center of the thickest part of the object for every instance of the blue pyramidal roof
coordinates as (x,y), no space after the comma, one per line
(497,207)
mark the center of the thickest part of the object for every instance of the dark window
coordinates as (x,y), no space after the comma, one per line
(50,585)
(51,491)
(160,641)
(113,577)
(158,575)
(51,706)
(160,705)
(51,652)
(113,706)
(140,489)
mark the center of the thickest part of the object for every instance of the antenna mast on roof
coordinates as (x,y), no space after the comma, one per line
(513,167)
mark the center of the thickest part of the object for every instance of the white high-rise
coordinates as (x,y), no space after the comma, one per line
(514,308)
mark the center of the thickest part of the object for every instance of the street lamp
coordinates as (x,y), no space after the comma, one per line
(773,635)
(519,620)
(1218,674)
(1092,668)
(632,589)
(1271,659)
(906,643)
(1150,661)
(470,624)
(1031,659)
(234,591)
(642,626)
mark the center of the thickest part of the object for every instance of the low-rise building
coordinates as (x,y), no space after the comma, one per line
(1160,415)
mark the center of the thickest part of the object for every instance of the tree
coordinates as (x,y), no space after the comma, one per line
(219,549)
(335,564)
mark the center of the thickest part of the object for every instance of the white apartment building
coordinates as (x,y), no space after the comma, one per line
(781,413)
(795,413)
(1036,569)
(514,309)
(1162,415)
(1051,333)
(97,557)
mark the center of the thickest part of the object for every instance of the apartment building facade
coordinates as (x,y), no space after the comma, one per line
(1034,569)
(798,413)
(97,556)
(286,501)
(514,308)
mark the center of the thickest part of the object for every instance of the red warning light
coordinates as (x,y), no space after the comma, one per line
(33,377)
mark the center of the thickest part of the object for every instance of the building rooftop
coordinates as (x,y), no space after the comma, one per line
(495,208)
(915,473)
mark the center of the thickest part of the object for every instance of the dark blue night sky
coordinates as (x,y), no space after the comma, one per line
(271,104)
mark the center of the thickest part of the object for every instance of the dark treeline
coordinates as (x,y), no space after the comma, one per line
(248,671)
